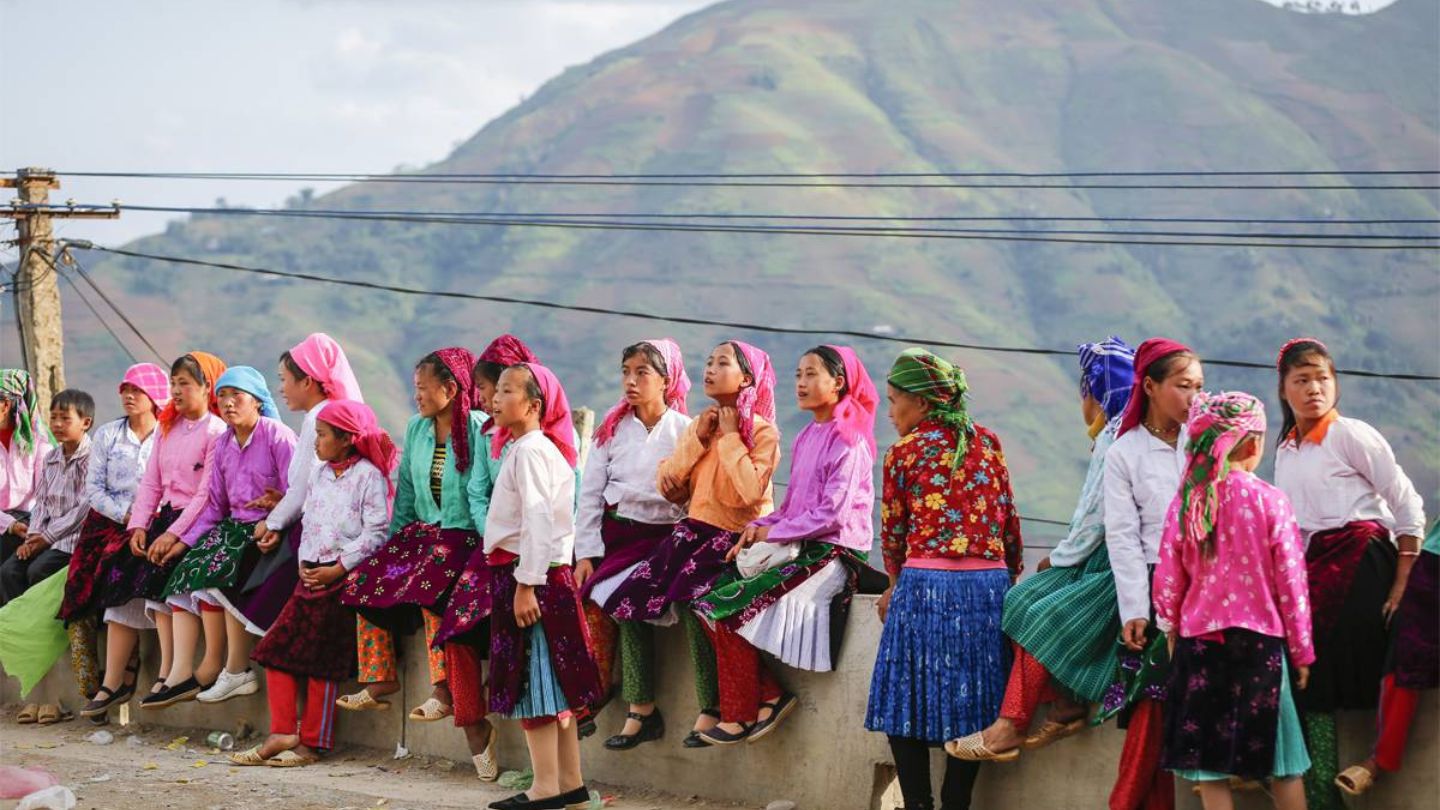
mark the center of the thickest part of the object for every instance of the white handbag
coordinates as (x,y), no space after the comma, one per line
(761,557)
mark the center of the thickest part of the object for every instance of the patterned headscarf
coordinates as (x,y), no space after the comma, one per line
(555,420)
(151,379)
(758,399)
(942,384)
(507,350)
(252,382)
(1149,351)
(1217,423)
(1107,373)
(855,414)
(462,365)
(676,389)
(322,360)
(371,442)
(16,386)
(211,367)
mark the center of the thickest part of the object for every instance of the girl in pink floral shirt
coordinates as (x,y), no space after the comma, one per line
(1231,592)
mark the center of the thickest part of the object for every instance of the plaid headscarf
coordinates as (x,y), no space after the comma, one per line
(942,384)
(1217,423)
(1107,373)
(211,367)
(16,386)
(676,389)
(462,365)
(152,380)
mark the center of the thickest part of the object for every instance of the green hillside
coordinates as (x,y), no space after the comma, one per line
(900,85)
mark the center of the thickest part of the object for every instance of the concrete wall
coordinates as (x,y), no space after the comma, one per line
(821,758)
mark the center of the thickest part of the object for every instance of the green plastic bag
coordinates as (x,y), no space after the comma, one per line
(31,638)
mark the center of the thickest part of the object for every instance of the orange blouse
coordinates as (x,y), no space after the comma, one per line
(729,483)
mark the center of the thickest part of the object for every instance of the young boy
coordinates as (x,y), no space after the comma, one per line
(541,671)
(60,504)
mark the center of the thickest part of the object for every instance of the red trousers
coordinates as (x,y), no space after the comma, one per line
(745,681)
(1392,723)
(1028,687)
(1141,784)
(466,677)
(317,726)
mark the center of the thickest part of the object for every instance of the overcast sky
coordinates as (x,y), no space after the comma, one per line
(275,86)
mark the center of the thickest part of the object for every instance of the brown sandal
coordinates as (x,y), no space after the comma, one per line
(51,713)
(1355,780)
(28,715)
(1053,731)
(971,748)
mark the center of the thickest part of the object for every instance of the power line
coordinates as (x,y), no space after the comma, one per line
(889,180)
(751,327)
(96,313)
(461,218)
(898,233)
(80,270)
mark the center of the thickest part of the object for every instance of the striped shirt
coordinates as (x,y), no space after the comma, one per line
(437,470)
(60,502)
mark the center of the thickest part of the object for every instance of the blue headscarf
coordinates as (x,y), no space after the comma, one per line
(252,382)
(1107,373)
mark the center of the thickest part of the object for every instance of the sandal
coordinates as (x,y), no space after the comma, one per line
(779,710)
(652,727)
(28,715)
(1355,780)
(52,713)
(248,758)
(1053,731)
(487,767)
(430,711)
(719,736)
(971,748)
(290,759)
(362,702)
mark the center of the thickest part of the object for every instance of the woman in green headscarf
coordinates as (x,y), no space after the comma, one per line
(950,537)
(24,442)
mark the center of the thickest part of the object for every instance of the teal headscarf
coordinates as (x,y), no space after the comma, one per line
(252,382)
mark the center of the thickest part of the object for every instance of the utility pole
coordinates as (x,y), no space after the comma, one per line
(37,280)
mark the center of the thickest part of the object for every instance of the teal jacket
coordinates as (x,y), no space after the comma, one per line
(464,497)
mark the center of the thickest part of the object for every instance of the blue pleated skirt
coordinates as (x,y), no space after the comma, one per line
(543,695)
(943,660)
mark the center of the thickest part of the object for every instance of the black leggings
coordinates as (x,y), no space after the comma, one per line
(912,768)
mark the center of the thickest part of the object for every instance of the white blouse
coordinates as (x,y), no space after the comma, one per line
(346,518)
(531,508)
(1349,475)
(622,472)
(303,464)
(1142,476)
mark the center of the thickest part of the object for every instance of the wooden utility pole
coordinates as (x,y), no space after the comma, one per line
(37,280)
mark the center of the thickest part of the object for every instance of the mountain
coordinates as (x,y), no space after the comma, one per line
(898,86)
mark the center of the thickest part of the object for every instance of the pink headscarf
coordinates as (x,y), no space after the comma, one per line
(322,359)
(554,416)
(507,350)
(462,366)
(855,414)
(677,388)
(1149,351)
(758,399)
(371,442)
(1217,423)
(151,379)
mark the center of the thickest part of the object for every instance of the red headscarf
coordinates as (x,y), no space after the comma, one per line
(211,367)
(462,365)
(1149,351)
(677,388)
(554,417)
(855,414)
(507,350)
(758,399)
(371,442)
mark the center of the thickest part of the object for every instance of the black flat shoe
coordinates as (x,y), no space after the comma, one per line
(522,802)
(694,740)
(779,710)
(103,701)
(719,736)
(179,693)
(577,799)
(652,727)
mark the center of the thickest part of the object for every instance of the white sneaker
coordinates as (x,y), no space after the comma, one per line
(486,766)
(230,685)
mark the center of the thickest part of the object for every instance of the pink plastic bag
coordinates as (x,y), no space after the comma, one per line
(16,782)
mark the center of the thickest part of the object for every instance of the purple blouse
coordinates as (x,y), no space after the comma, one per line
(239,475)
(831,494)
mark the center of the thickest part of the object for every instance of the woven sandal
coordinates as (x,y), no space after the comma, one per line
(430,711)
(290,759)
(1053,731)
(1355,780)
(248,758)
(362,702)
(971,748)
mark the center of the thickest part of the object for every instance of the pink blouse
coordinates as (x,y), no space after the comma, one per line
(1256,580)
(178,473)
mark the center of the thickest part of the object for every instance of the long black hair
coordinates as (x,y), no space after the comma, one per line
(1297,354)
(834,364)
